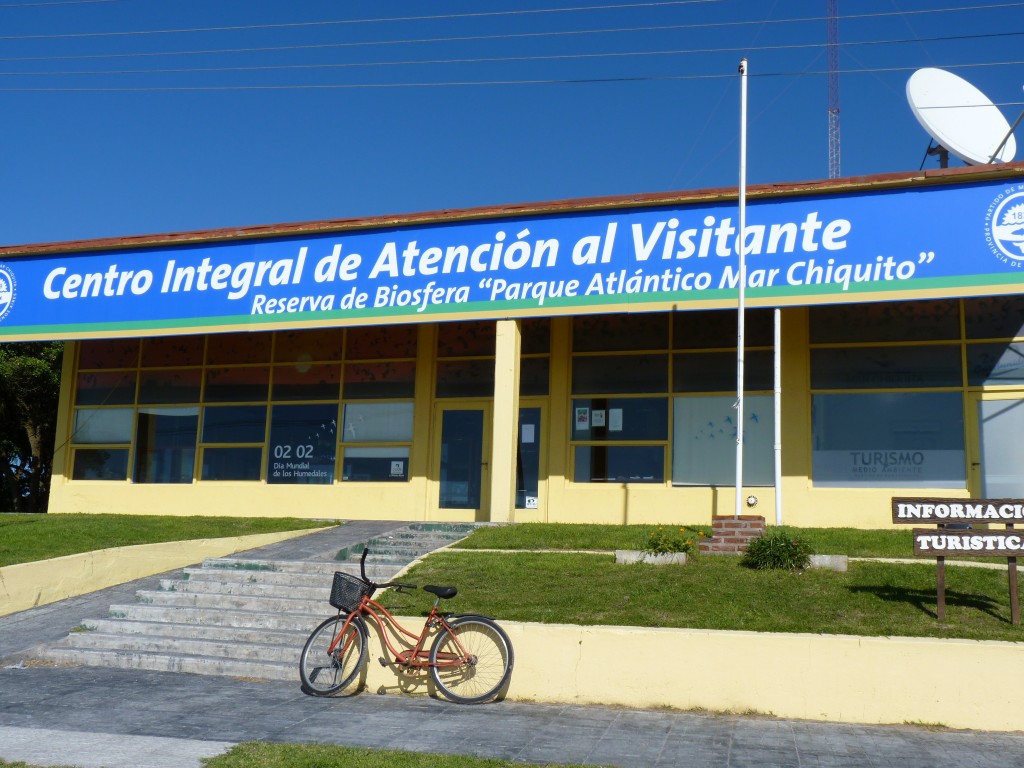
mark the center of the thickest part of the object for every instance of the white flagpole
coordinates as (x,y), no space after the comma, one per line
(741,239)
(778,416)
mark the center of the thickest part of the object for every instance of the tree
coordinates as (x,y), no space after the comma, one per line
(29,394)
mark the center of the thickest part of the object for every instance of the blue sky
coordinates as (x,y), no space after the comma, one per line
(125,117)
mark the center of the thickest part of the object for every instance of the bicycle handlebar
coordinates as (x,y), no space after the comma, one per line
(396,584)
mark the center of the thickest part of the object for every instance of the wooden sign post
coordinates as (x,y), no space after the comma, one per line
(957,535)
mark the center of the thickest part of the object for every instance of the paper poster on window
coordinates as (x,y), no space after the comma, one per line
(582,418)
(614,419)
(529,434)
(597,418)
(398,469)
(303,443)
(531,502)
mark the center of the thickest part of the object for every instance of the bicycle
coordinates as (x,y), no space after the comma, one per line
(470,660)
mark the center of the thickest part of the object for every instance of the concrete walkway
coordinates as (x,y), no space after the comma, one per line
(132,719)
(95,717)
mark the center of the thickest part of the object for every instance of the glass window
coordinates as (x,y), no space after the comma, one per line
(535,335)
(718,329)
(620,463)
(165,445)
(235,424)
(105,388)
(108,353)
(170,386)
(995,364)
(888,321)
(704,440)
(377,423)
(994,317)
(533,376)
(890,439)
(307,346)
(384,464)
(598,375)
(236,385)
(103,425)
(376,381)
(307,382)
(619,333)
(100,464)
(236,463)
(620,418)
(466,339)
(716,371)
(168,351)
(238,348)
(380,342)
(303,442)
(886,367)
(465,378)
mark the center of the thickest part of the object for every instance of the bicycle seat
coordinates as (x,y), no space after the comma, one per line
(445,593)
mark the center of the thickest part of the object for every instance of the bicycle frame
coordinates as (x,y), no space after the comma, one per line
(416,657)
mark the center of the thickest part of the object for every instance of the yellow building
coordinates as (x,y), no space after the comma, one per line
(569,362)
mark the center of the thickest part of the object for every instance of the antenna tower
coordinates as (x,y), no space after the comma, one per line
(832,8)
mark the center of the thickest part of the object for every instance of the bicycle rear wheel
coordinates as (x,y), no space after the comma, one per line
(481,677)
(324,672)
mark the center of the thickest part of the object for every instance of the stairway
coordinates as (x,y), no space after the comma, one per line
(245,616)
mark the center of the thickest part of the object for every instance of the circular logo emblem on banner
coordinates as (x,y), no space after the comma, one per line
(8,289)
(1004,227)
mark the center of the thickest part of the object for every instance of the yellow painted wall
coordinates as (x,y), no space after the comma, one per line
(814,677)
(27,585)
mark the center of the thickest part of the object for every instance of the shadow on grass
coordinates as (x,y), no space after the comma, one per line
(924,599)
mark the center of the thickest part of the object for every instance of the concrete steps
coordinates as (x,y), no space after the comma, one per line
(238,616)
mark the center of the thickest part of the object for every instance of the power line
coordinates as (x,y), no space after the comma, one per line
(667,27)
(55,2)
(335,22)
(464,83)
(505,59)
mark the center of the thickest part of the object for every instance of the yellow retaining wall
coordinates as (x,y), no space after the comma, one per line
(27,585)
(838,678)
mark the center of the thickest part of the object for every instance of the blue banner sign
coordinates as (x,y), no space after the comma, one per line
(925,241)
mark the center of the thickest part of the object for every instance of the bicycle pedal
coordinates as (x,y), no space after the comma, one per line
(383,661)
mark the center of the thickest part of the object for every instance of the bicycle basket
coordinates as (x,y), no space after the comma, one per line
(347,591)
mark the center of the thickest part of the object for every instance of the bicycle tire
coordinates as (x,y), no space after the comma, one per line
(486,675)
(324,674)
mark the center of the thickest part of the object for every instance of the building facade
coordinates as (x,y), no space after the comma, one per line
(569,362)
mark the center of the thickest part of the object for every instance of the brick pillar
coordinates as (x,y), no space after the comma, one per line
(730,535)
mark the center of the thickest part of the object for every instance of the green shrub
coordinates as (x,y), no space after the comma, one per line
(777,551)
(665,542)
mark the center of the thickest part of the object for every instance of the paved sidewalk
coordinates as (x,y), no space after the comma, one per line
(111,718)
(104,717)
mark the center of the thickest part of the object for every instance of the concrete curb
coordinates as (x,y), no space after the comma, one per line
(27,585)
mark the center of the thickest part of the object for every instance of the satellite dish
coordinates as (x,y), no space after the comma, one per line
(960,118)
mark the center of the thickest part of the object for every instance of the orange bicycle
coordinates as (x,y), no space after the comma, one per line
(470,659)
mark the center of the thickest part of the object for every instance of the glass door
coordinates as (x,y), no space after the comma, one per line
(462,456)
(529,475)
(997,469)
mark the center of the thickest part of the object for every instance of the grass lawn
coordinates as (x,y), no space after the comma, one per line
(712,592)
(824,541)
(25,538)
(259,754)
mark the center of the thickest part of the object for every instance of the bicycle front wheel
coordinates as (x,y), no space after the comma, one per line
(472,660)
(325,671)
